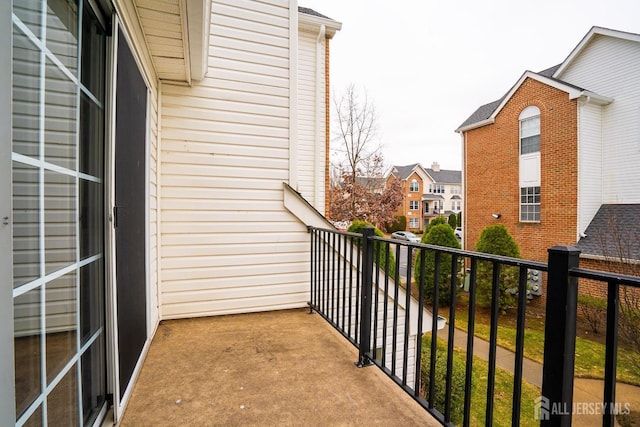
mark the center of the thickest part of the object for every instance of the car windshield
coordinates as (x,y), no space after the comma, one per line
(409,234)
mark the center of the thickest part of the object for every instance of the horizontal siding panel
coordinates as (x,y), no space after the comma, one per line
(255,16)
(221,182)
(248,239)
(214,160)
(226,172)
(243,46)
(227,194)
(261,28)
(213,308)
(233,271)
(229,227)
(258,57)
(233,249)
(233,128)
(248,67)
(237,293)
(229,261)
(197,147)
(273,119)
(247,36)
(275,8)
(301,277)
(181,107)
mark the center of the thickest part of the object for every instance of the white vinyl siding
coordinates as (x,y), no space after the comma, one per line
(609,66)
(228,243)
(311,132)
(589,163)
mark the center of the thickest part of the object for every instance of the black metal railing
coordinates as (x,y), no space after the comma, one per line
(370,290)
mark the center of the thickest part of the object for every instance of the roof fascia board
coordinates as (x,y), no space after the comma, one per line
(198,17)
(313,23)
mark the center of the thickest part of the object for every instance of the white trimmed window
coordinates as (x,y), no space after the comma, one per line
(414,187)
(529,141)
(414,205)
(530,204)
(414,222)
(455,205)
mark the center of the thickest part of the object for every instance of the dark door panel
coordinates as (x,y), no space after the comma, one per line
(131,119)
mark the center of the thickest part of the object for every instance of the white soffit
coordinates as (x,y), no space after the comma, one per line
(176,33)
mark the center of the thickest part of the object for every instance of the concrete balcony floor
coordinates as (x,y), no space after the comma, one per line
(273,368)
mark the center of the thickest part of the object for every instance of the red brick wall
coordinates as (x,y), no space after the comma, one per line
(492,172)
(407,196)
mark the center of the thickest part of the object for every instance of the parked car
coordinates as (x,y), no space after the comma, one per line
(458,232)
(405,235)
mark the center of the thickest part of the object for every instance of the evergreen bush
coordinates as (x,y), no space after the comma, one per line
(496,240)
(439,235)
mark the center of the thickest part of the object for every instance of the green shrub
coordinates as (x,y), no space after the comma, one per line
(435,221)
(594,311)
(496,240)
(399,224)
(459,219)
(453,221)
(379,249)
(440,235)
(457,378)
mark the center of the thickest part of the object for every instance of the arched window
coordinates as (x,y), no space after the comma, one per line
(414,187)
(529,130)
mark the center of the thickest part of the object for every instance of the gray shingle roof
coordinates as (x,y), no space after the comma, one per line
(614,232)
(482,113)
(403,172)
(485,111)
(549,71)
(309,11)
(444,176)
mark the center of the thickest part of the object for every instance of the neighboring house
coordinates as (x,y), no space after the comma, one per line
(166,158)
(560,146)
(428,193)
(443,195)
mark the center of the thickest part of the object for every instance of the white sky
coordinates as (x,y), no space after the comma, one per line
(428,64)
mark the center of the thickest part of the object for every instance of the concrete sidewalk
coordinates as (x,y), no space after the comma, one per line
(587,393)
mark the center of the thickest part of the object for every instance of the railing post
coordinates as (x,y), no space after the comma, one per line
(364,347)
(555,405)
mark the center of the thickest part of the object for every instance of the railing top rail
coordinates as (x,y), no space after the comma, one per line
(605,276)
(517,262)
(343,233)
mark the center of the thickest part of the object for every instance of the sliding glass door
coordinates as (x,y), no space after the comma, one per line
(58,110)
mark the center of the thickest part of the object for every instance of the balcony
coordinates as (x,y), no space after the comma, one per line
(274,368)
(295,368)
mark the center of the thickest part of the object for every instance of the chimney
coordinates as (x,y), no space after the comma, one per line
(435,166)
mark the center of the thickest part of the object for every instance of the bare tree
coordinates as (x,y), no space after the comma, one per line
(361,191)
(356,134)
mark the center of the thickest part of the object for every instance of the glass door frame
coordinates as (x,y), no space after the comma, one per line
(7,388)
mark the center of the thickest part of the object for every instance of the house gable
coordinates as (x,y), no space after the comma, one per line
(492,182)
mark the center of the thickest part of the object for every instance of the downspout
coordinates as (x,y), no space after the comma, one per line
(317,171)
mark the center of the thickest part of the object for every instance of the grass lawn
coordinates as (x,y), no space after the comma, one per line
(502,397)
(590,355)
